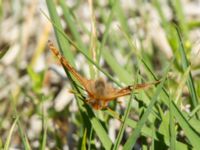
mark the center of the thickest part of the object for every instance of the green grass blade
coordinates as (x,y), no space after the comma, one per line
(121,73)
(107,27)
(193,122)
(89,117)
(134,135)
(98,128)
(22,133)
(139,57)
(72,25)
(179,13)
(172,131)
(44,125)
(8,140)
(102,134)
(181,85)
(44,138)
(23,136)
(185,65)
(170,32)
(158,6)
(197,108)
(187,128)
(73,28)
(122,128)
(190,133)
(120,15)
(62,42)
(61,39)
(84,140)
(146,131)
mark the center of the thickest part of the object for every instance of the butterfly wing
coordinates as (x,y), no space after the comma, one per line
(83,81)
(127,90)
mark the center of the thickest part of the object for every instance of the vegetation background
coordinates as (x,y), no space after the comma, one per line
(126,42)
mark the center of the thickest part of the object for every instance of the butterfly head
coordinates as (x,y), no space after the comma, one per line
(99,87)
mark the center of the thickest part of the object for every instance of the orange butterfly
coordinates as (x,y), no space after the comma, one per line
(99,91)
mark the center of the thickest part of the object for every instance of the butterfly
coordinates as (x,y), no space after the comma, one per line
(99,91)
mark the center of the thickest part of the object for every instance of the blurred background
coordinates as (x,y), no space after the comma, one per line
(33,85)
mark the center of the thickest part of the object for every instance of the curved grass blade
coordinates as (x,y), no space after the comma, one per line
(190,133)
(6,147)
(134,135)
(122,128)
(84,140)
(185,65)
(107,27)
(62,42)
(172,129)
(23,136)
(98,128)
(72,25)
(179,14)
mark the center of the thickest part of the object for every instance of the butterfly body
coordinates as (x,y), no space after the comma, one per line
(99,93)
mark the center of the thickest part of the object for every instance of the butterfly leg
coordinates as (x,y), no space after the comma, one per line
(104,104)
(93,103)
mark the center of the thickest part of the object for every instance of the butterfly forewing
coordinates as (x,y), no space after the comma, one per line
(84,82)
